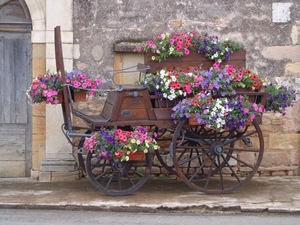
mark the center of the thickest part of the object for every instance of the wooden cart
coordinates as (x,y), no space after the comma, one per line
(207,160)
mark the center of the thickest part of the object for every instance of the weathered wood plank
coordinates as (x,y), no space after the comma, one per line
(12,144)
(12,169)
(14,80)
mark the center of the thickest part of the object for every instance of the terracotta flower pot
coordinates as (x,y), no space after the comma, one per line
(137,156)
(193,120)
(79,96)
(59,98)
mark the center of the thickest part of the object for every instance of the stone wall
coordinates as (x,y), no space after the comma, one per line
(269,30)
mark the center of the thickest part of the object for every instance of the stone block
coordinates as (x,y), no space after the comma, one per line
(276,158)
(164,171)
(34,174)
(155,170)
(281,12)
(64,11)
(293,69)
(295,157)
(284,141)
(65,176)
(293,172)
(44,176)
(278,173)
(281,52)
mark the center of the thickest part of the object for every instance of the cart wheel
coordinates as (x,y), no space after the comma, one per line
(117,178)
(164,139)
(81,153)
(215,161)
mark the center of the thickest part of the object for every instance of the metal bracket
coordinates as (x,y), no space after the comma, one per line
(134,94)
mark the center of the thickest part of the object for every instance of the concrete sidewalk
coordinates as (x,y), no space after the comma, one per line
(264,194)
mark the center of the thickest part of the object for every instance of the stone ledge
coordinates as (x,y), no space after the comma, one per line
(278,168)
(126,46)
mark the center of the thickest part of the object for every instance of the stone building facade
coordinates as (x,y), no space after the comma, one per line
(270,31)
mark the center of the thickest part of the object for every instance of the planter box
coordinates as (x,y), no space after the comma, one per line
(237,59)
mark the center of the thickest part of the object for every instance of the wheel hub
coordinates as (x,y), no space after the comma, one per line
(217,148)
(119,166)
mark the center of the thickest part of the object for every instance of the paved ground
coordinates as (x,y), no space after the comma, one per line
(267,194)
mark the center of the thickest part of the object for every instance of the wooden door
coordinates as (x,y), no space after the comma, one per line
(15,112)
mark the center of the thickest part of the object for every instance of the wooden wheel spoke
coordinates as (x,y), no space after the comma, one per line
(201,167)
(231,169)
(191,158)
(110,179)
(103,173)
(209,173)
(229,141)
(221,173)
(242,149)
(240,161)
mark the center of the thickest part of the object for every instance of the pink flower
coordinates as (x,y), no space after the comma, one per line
(84,85)
(186,51)
(216,66)
(246,110)
(261,109)
(44,86)
(76,84)
(255,106)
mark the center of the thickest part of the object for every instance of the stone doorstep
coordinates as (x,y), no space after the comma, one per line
(59,176)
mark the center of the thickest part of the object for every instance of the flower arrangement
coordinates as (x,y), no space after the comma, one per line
(176,82)
(242,78)
(279,97)
(182,43)
(219,112)
(118,145)
(82,81)
(45,88)
(171,83)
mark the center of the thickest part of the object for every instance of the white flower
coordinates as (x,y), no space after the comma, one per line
(173,78)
